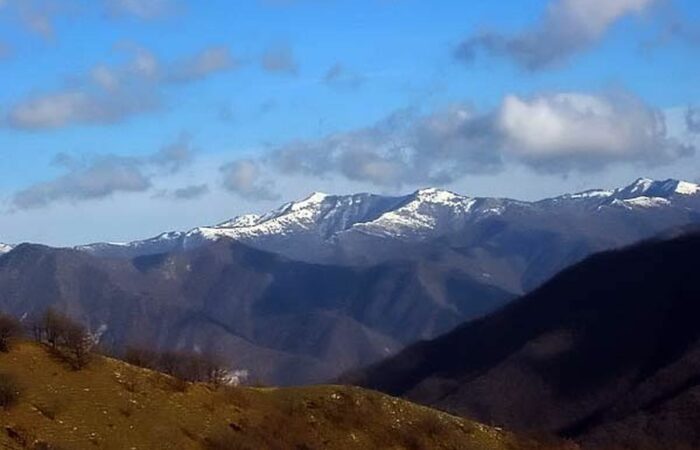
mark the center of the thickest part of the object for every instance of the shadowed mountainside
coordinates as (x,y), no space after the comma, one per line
(284,321)
(606,352)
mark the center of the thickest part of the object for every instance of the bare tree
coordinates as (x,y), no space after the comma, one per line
(67,338)
(78,342)
(184,365)
(142,357)
(53,326)
(10,329)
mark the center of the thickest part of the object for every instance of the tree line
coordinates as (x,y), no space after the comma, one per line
(72,342)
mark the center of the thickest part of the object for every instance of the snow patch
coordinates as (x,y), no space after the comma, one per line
(647,202)
(686,188)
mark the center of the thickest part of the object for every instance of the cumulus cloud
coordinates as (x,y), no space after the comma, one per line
(103,176)
(245,178)
(553,133)
(280,59)
(113,94)
(568,27)
(568,131)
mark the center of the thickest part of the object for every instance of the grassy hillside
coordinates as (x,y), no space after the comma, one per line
(112,405)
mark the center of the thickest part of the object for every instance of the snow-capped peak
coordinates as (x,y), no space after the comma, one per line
(645,187)
(640,186)
(312,200)
(434,195)
(5,248)
(425,213)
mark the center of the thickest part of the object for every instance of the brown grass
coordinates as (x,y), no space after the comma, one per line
(112,405)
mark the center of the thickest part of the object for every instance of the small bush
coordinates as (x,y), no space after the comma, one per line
(9,391)
(10,329)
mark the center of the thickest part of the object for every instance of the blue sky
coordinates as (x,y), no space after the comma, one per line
(124,118)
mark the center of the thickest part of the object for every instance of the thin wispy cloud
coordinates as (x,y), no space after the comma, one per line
(38,16)
(201,65)
(191,192)
(280,59)
(102,176)
(567,28)
(109,95)
(97,179)
(340,76)
(143,9)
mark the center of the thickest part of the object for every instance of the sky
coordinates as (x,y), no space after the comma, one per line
(121,119)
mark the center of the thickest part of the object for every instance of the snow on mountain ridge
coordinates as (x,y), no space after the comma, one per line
(428,211)
(316,222)
(646,202)
(645,187)
(686,188)
(5,248)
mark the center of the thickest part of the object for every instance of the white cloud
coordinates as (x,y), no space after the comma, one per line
(554,133)
(575,130)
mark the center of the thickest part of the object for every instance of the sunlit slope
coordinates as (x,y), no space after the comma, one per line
(112,405)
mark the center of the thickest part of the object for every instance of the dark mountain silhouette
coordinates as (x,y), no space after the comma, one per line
(607,352)
(286,322)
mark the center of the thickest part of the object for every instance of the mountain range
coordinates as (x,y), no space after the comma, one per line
(607,352)
(511,244)
(321,286)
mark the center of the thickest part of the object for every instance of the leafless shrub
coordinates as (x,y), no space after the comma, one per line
(10,329)
(51,327)
(141,357)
